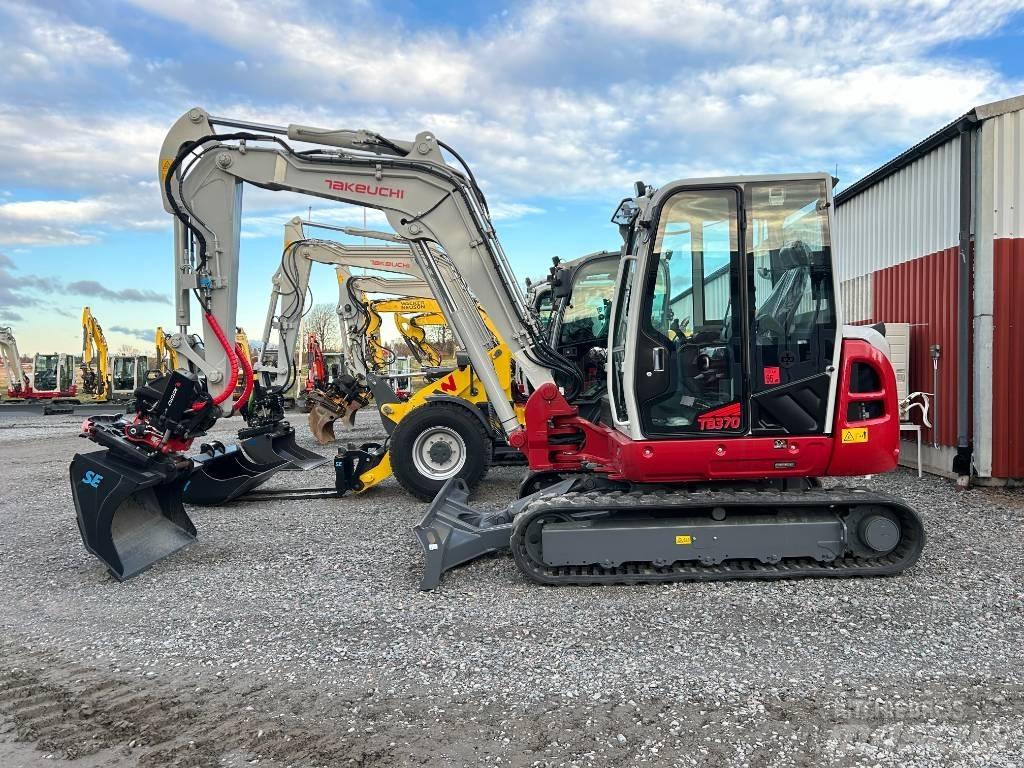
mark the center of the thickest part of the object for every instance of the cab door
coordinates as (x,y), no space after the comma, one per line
(690,349)
(793,323)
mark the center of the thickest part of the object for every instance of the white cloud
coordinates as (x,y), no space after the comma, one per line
(42,45)
(546,102)
(67,150)
(82,221)
(375,63)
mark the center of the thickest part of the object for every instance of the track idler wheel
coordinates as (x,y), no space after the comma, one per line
(129,516)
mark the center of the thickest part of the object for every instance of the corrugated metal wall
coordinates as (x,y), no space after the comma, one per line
(1008,359)
(910,214)
(1005,139)
(855,294)
(896,257)
(896,249)
(922,292)
(1007,175)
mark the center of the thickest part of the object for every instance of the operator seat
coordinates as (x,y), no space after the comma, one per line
(778,311)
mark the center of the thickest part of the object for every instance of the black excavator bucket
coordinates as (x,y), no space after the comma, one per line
(222,474)
(130,516)
(452,532)
(271,448)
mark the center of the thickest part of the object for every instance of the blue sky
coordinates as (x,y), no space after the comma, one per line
(558,107)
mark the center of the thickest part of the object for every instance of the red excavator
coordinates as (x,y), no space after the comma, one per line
(732,385)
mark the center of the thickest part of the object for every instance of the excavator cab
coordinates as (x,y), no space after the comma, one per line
(693,340)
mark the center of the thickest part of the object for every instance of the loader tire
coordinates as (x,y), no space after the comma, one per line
(435,443)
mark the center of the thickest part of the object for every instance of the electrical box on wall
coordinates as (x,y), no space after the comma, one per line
(898,336)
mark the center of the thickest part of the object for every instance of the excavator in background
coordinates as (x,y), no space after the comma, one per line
(223,473)
(413,336)
(422,450)
(322,370)
(732,384)
(114,377)
(95,380)
(127,374)
(52,379)
(17,380)
(166,357)
(316,370)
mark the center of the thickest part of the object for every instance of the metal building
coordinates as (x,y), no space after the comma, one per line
(935,238)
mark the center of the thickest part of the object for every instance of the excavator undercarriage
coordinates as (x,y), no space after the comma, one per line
(630,534)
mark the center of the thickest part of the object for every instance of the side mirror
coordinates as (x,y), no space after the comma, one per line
(561,283)
(626,213)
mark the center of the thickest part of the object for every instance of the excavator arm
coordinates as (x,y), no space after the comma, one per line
(414,336)
(17,381)
(426,201)
(416,339)
(291,283)
(94,347)
(166,355)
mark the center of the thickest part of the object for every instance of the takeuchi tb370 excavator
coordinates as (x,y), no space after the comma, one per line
(732,385)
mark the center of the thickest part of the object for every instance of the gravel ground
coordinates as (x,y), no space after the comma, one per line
(292,633)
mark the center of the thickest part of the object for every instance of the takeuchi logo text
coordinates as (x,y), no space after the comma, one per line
(358,188)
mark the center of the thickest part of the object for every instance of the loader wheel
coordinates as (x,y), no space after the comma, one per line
(435,443)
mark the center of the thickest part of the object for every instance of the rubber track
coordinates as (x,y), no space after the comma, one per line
(899,559)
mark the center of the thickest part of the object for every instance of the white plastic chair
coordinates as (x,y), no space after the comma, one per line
(923,402)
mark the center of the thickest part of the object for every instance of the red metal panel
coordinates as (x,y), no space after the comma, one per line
(1008,358)
(922,292)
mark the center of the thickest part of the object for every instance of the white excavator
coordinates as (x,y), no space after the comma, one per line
(52,379)
(17,380)
(732,385)
(429,453)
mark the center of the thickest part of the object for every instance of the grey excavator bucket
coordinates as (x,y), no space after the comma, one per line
(272,447)
(222,474)
(130,514)
(452,532)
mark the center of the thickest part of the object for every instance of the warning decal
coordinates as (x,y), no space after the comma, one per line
(858,435)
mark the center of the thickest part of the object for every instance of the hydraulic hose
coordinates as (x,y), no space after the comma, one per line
(229,388)
(243,398)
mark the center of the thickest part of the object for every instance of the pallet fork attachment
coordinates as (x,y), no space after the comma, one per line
(130,515)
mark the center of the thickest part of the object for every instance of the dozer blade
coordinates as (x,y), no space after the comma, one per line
(452,532)
(223,474)
(272,448)
(130,517)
